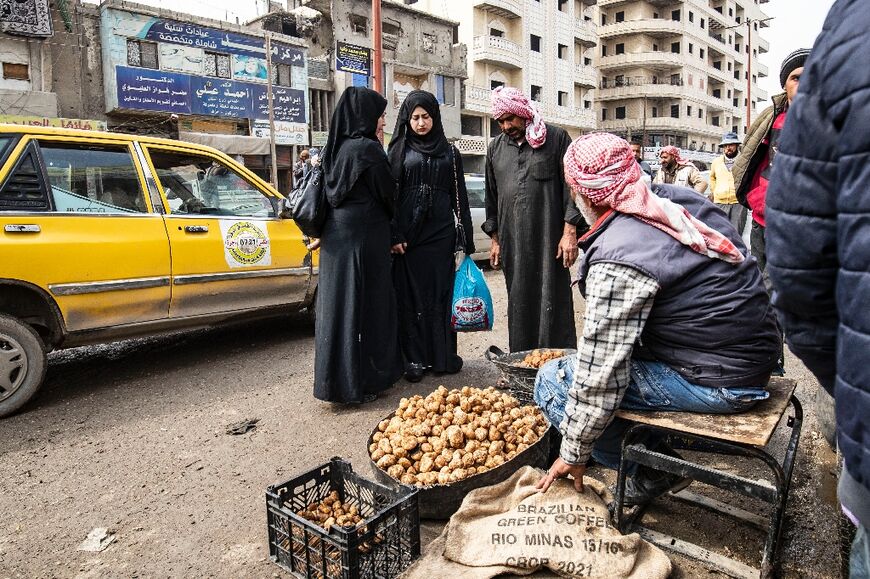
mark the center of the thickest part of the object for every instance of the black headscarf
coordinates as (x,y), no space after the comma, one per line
(353,145)
(433,143)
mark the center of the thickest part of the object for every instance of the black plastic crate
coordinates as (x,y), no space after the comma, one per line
(381,547)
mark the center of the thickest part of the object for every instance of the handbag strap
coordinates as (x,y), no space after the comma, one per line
(455,185)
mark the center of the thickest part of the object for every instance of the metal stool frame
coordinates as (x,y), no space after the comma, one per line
(773,491)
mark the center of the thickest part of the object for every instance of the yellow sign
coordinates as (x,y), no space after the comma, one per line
(84,124)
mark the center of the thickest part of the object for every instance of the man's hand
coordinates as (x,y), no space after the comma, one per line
(399,248)
(567,250)
(562,469)
(494,253)
(313,244)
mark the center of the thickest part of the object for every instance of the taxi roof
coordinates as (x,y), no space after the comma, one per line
(6,128)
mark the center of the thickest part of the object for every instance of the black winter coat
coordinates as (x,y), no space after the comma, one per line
(818,233)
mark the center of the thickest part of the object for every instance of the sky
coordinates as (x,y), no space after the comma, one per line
(795,24)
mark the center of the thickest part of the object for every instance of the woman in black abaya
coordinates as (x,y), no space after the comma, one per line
(431,192)
(356,343)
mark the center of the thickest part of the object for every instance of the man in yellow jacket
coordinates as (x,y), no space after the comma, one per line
(722,182)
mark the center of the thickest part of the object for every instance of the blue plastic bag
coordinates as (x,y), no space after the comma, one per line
(471,309)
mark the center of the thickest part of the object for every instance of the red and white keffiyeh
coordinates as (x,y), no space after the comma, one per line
(510,101)
(602,168)
(677,154)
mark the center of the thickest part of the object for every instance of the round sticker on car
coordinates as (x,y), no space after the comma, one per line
(245,244)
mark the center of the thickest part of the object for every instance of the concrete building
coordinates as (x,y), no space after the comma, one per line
(204,81)
(676,72)
(420,51)
(50,61)
(544,47)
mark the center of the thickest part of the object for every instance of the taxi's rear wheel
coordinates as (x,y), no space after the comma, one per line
(22,364)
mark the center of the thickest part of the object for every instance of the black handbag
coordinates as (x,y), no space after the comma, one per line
(308,204)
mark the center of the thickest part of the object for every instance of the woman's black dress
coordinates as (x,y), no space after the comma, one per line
(423,276)
(356,350)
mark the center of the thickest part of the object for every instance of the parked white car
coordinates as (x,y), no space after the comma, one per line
(474,182)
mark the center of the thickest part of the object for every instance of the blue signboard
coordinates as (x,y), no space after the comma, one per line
(288,104)
(153,90)
(353,58)
(219,41)
(173,92)
(220,97)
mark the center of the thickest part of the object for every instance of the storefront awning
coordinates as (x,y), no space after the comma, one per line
(229,144)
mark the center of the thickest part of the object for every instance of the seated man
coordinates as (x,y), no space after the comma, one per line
(677,317)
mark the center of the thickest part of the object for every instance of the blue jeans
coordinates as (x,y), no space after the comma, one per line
(859,561)
(653,386)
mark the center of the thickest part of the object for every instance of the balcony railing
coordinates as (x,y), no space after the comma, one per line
(650,26)
(477,98)
(585,32)
(497,50)
(505,8)
(642,59)
(640,81)
(585,76)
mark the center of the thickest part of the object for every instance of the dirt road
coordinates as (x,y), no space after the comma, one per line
(132,437)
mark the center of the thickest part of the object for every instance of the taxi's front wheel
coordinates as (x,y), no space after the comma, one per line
(22,364)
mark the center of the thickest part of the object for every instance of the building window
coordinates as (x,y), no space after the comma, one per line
(563,99)
(603,114)
(675,111)
(496,32)
(494,84)
(655,112)
(15,71)
(535,42)
(603,19)
(691,48)
(620,16)
(701,52)
(281,75)
(620,112)
(729,66)
(359,24)
(703,23)
(715,121)
(620,48)
(536,93)
(675,47)
(563,5)
(675,15)
(216,64)
(655,47)
(689,110)
(471,126)
(587,61)
(562,51)
(700,113)
(445,90)
(587,104)
(142,53)
(691,16)
(603,50)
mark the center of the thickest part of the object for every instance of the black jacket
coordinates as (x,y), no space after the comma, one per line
(818,233)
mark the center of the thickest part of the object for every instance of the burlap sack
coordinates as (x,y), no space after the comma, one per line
(510,527)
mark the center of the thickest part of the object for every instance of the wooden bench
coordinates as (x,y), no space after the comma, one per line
(745,434)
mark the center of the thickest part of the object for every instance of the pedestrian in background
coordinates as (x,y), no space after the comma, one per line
(432,202)
(752,168)
(532,222)
(356,341)
(301,167)
(722,182)
(818,242)
(676,170)
(637,151)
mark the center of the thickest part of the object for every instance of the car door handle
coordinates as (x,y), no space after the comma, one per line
(21,228)
(196,228)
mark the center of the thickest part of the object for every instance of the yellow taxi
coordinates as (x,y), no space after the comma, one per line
(107,236)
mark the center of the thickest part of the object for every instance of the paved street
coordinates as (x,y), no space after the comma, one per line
(132,437)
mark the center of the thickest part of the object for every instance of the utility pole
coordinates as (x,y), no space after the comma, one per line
(377,44)
(272,151)
(749,23)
